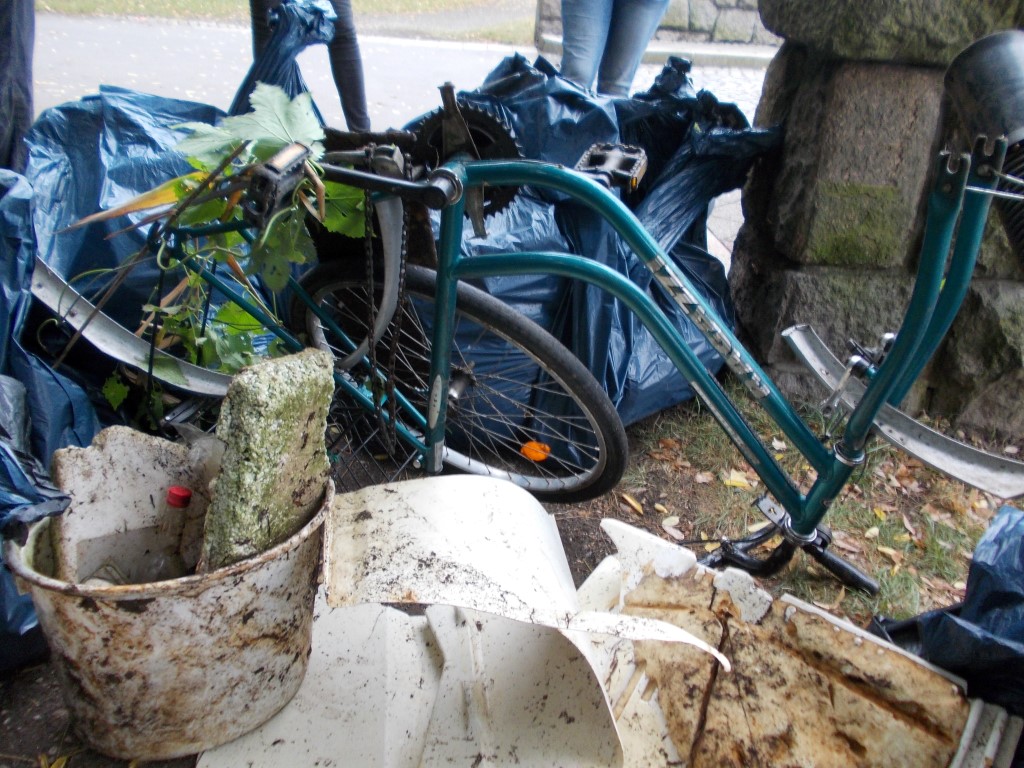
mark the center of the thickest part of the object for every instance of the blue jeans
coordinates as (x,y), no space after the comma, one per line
(606,39)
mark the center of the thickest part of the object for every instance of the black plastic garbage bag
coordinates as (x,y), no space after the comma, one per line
(697,149)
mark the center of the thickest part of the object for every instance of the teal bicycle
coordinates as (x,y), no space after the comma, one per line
(434,373)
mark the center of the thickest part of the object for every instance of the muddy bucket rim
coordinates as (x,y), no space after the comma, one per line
(169,588)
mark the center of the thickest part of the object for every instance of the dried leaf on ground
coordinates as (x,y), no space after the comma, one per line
(892,554)
(674,532)
(846,543)
(736,479)
(632,503)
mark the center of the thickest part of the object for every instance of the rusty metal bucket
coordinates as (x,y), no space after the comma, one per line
(161,670)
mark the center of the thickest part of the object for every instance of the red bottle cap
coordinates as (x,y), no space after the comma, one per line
(179,496)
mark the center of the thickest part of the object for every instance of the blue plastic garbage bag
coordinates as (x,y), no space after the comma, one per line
(25,491)
(297,25)
(983,642)
(697,149)
(982,638)
(95,154)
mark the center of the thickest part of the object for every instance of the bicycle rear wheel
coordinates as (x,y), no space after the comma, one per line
(520,405)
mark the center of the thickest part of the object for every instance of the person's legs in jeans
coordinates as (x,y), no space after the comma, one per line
(633,23)
(584,32)
(347,68)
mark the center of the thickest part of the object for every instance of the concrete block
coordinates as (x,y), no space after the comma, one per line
(275,463)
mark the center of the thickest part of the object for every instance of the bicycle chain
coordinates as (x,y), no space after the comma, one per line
(397,319)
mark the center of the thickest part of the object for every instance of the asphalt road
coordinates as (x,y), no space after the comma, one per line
(205,62)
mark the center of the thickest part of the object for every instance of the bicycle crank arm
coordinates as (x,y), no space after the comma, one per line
(736,554)
(985,471)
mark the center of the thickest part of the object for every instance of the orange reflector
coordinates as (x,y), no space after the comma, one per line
(535,451)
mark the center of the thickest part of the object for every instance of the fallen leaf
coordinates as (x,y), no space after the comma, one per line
(711,546)
(671,520)
(778,445)
(936,514)
(960,586)
(871,533)
(910,528)
(661,509)
(1011,450)
(674,532)
(633,504)
(879,513)
(845,543)
(703,478)
(755,527)
(736,479)
(903,538)
(892,554)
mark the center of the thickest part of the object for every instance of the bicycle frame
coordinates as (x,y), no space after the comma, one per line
(919,336)
(234,294)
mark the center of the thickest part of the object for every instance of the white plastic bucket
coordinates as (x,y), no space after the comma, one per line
(161,670)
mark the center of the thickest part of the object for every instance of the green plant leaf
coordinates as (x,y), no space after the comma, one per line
(203,213)
(276,121)
(208,144)
(115,391)
(228,352)
(345,209)
(286,242)
(236,320)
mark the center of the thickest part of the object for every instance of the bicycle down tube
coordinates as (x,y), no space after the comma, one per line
(833,463)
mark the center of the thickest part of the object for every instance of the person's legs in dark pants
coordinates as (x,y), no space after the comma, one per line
(343,52)
(347,68)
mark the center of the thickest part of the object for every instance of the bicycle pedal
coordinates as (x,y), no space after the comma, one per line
(614,165)
(273,182)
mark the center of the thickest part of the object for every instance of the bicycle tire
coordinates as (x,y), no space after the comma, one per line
(520,392)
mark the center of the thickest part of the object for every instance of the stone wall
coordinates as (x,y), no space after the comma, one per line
(833,225)
(724,21)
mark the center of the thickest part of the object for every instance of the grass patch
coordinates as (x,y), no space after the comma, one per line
(232,10)
(206,10)
(910,528)
(513,33)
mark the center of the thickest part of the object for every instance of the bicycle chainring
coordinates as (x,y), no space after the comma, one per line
(491,133)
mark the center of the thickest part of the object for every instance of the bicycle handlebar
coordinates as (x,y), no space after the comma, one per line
(274,181)
(439,190)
